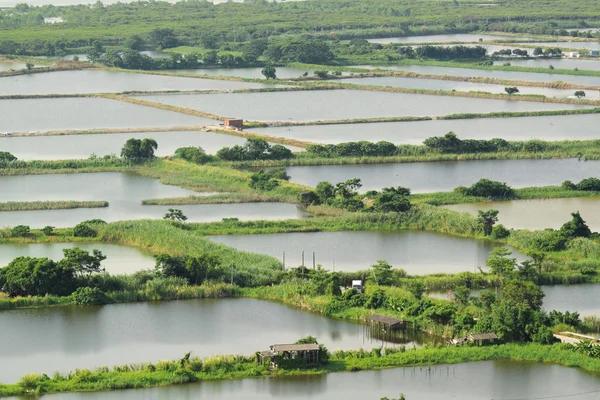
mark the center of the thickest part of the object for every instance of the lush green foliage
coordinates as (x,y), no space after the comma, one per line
(254,149)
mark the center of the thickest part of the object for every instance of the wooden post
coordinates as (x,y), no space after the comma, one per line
(314,265)
(284,260)
(303,258)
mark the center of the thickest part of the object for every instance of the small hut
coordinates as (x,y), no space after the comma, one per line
(234,123)
(482,338)
(304,353)
(384,321)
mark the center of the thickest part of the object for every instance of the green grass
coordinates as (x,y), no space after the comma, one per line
(50,205)
(224,198)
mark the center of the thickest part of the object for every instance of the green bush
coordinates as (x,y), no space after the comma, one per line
(87,296)
(500,232)
(84,230)
(20,231)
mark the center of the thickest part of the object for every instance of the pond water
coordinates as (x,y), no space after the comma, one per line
(124,192)
(342,104)
(8,65)
(569,45)
(84,57)
(440,84)
(560,63)
(98,81)
(414,132)
(455,37)
(447,175)
(86,113)
(357,251)
(119,259)
(66,147)
(508,75)
(64,338)
(467,381)
(539,214)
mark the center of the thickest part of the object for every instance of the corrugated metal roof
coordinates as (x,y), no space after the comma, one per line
(295,347)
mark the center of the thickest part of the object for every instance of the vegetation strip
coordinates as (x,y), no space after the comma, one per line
(50,205)
(191,369)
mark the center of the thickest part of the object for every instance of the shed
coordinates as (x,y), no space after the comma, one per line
(385,320)
(308,352)
(594,52)
(482,338)
(234,123)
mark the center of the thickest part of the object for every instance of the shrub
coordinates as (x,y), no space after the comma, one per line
(589,184)
(47,230)
(491,189)
(87,296)
(20,231)
(195,155)
(568,185)
(500,232)
(84,230)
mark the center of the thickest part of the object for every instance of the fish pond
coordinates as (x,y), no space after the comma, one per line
(501,379)
(456,37)
(124,192)
(98,81)
(539,214)
(31,115)
(356,251)
(61,339)
(119,259)
(65,147)
(415,132)
(343,104)
(560,63)
(447,175)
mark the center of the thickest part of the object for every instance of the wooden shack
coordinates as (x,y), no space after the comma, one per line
(482,338)
(308,353)
(383,321)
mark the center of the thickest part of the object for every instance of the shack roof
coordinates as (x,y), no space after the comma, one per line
(482,336)
(384,319)
(295,347)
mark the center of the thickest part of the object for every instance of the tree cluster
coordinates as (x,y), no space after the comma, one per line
(586,185)
(138,150)
(487,188)
(255,149)
(353,149)
(269,179)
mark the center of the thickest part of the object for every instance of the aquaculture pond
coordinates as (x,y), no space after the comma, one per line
(355,251)
(415,132)
(124,192)
(455,37)
(343,104)
(466,381)
(82,146)
(119,259)
(508,75)
(459,86)
(539,214)
(447,175)
(560,63)
(64,338)
(30,115)
(98,81)
(569,45)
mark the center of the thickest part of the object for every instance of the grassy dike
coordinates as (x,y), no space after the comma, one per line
(188,370)
(50,205)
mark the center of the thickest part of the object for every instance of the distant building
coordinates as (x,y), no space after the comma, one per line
(573,54)
(594,52)
(53,20)
(234,123)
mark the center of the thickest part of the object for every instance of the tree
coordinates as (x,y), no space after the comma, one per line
(538,51)
(20,231)
(263,181)
(205,265)
(82,262)
(348,189)
(523,293)
(6,157)
(491,189)
(579,94)
(322,74)
(84,230)
(135,42)
(29,66)
(162,38)
(486,220)
(325,191)
(269,72)
(47,230)
(462,294)
(392,200)
(499,262)
(96,51)
(27,276)
(576,227)
(511,90)
(175,215)
(137,150)
(256,149)
(417,288)
(382,272)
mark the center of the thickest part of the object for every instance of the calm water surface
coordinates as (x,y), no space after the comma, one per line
(124,192)
(559,63)
(89,81)
(342,104)
(482,380)
(439,84)
(539,214)
(354,251)
(86,113)
(81,146)
(509,75)
(569,45)
(282,72)
(119,259)
(8,65)
(64,338)
(414,132)
(457,37)
(445,176)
